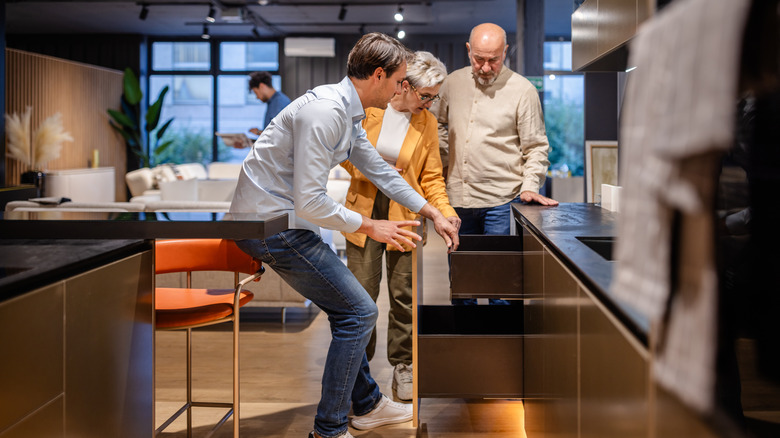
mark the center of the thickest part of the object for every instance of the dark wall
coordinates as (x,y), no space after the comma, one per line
(301,74)
(2,94)
(601,106)
(110,51)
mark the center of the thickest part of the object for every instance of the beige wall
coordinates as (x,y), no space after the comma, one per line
(81,93)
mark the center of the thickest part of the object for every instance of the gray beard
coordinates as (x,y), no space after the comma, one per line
(483,81)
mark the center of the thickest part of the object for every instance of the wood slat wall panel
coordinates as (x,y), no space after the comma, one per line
(81,93)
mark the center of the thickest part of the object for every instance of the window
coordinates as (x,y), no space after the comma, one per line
(180,56)
(236,56)
(564,110)
(239,110)
(189,101)
(206,96)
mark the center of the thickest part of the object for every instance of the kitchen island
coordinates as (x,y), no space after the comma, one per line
(579,359)
(77,317)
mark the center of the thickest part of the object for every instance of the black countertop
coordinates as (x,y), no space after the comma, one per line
(154,225)
(559,228)
(28,264)
(39,248)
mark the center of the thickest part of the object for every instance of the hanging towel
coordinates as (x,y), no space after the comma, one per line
(678,116)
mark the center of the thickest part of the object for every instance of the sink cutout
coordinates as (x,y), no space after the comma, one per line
(600,245)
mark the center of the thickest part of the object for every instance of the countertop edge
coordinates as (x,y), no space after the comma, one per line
(40,276)
(597,274)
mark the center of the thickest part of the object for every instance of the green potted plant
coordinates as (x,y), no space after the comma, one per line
(128,121)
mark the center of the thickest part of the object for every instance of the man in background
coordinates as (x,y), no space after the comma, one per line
(260,84)
(491,137)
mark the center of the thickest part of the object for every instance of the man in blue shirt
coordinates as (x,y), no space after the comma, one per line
(286,172)
(260,84)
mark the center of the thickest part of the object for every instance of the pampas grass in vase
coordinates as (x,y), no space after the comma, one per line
(46,141)
(18,132)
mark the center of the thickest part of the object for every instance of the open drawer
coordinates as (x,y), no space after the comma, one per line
(491,266)
(470,351)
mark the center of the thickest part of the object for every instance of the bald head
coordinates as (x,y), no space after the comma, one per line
(487,51)
(487,34)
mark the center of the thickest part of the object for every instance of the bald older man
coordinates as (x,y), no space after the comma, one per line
(491,137)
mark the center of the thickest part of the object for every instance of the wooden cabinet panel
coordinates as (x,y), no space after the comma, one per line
(110,347)
(77,356)
(601,30)
(31,335)
(614,377)
(561,326)
(584,35)
(46,422)
(616,23)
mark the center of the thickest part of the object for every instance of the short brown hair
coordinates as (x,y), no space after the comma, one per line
(375,50)
(259,77)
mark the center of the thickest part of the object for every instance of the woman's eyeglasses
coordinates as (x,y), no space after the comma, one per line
(425,97)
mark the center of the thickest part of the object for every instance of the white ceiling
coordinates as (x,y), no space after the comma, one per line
(277,18)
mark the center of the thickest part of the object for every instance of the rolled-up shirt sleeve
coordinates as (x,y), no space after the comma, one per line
(319,128)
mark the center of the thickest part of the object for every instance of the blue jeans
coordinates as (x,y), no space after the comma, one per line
(309,265)
(490,220)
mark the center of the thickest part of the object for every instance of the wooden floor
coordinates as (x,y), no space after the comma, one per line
(281,370)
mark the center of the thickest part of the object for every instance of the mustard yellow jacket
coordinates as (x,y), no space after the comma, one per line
(422,169)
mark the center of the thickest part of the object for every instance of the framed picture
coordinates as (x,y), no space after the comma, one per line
(601,167)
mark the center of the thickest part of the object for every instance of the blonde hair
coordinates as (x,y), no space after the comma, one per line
(425,70)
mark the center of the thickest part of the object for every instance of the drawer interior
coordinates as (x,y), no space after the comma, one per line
(488,266)
(470,320)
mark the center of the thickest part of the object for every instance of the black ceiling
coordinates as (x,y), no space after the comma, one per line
(276,18)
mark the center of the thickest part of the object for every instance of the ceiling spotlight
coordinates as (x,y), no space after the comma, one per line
(205,34)
(211,17)
(400,33)
(343,12)
(263,2)
(399,16)
(255,32)
(144,12)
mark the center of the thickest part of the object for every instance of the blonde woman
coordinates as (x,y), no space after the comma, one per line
(406,136)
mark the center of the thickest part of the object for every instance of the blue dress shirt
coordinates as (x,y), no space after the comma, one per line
(287,169)
(275,105)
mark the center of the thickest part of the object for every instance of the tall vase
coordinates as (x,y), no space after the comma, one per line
(36,178)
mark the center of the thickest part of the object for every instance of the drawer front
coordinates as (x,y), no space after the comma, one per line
(470,351)
(487,266)
(470,366)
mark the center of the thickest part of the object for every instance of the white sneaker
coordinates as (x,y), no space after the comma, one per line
(402,381)
(385,412)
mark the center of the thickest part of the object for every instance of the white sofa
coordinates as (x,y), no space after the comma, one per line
(194,189)
(44,204)
(189,182)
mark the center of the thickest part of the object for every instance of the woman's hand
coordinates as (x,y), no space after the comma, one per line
(455,220)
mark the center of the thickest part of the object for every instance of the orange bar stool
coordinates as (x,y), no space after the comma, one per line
(187,308)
